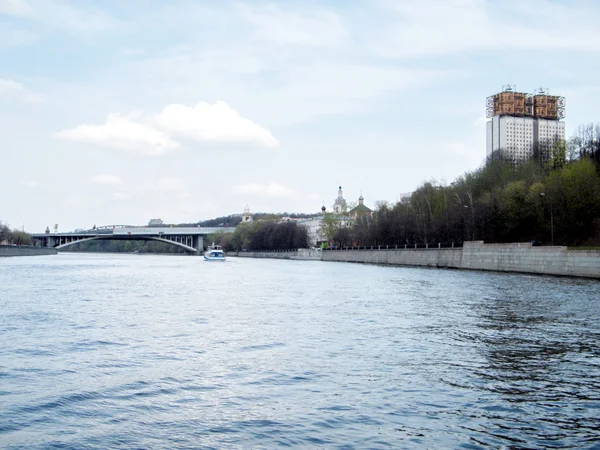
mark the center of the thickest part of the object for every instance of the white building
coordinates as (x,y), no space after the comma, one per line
(313,228)
(511,134)
(518,136)
(547,132)
(520,123)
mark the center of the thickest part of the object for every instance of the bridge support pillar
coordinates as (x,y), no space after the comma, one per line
(199,244)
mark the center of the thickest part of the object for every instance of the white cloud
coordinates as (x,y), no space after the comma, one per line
(165,188)
(29,184)
(212,123)
(170,184)
(11,87)
(438,27)
(272,23)
(69,17)
(122,133)
(11,37)
(121,196)
(263,190)
(460,148)
(107,180)
(131,52)
(216,123)
(470,155)
(480,121)
(171,187)
(315,86)
(15,7)
(60,14)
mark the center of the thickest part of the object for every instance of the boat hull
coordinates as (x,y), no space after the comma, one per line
(214,253)
(214,258)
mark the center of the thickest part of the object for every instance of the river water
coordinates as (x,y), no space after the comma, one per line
(140,351)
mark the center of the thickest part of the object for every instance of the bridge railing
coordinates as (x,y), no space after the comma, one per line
(148,231)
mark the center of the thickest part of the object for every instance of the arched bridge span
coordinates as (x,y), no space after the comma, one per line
(189,238)
(185,245)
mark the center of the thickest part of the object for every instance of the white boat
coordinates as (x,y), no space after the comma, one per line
(214,253)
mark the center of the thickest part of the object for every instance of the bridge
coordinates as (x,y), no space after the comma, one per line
(188,238)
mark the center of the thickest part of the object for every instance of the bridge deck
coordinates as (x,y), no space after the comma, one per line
(141,231)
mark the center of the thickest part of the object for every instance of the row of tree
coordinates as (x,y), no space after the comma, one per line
(554,198)
(14,236)
(263,235)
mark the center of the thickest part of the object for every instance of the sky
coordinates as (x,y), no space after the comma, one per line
(116,112)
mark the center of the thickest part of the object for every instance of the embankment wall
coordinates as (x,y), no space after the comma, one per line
(475,255)
(11,250)
(300,254)
(519,257)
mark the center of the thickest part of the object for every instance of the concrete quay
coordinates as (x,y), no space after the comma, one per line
(305,254)
(474,255)
(25,250)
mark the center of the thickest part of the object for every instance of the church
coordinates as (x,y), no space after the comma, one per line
(361,210)
(341,207)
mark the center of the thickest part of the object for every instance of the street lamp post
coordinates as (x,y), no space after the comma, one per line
(543,195)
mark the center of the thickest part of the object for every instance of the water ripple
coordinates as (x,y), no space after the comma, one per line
(122,351)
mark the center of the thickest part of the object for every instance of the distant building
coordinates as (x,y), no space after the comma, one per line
(313,230)
(522,123)
(246,217)
(341,216)
(360,210)
(155,222)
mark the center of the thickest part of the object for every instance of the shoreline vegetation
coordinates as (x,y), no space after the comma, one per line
(13,237)
(551,199)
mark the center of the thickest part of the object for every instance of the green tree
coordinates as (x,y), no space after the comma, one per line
(329,226)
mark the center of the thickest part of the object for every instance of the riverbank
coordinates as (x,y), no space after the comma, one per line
(25,250)
(475,255)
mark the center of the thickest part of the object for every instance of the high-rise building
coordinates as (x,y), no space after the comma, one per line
(523,123)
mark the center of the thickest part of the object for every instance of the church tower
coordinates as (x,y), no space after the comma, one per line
(339,206)
(246,217)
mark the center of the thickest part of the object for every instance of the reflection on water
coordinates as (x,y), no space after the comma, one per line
(143,351)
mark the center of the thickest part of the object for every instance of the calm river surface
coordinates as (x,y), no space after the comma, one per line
(139,351)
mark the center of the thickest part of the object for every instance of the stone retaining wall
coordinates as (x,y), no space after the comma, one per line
(11,250)
(300,254)
(445,257)
(519,257)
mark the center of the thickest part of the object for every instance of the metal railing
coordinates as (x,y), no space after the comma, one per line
(269,251)
(436,246)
